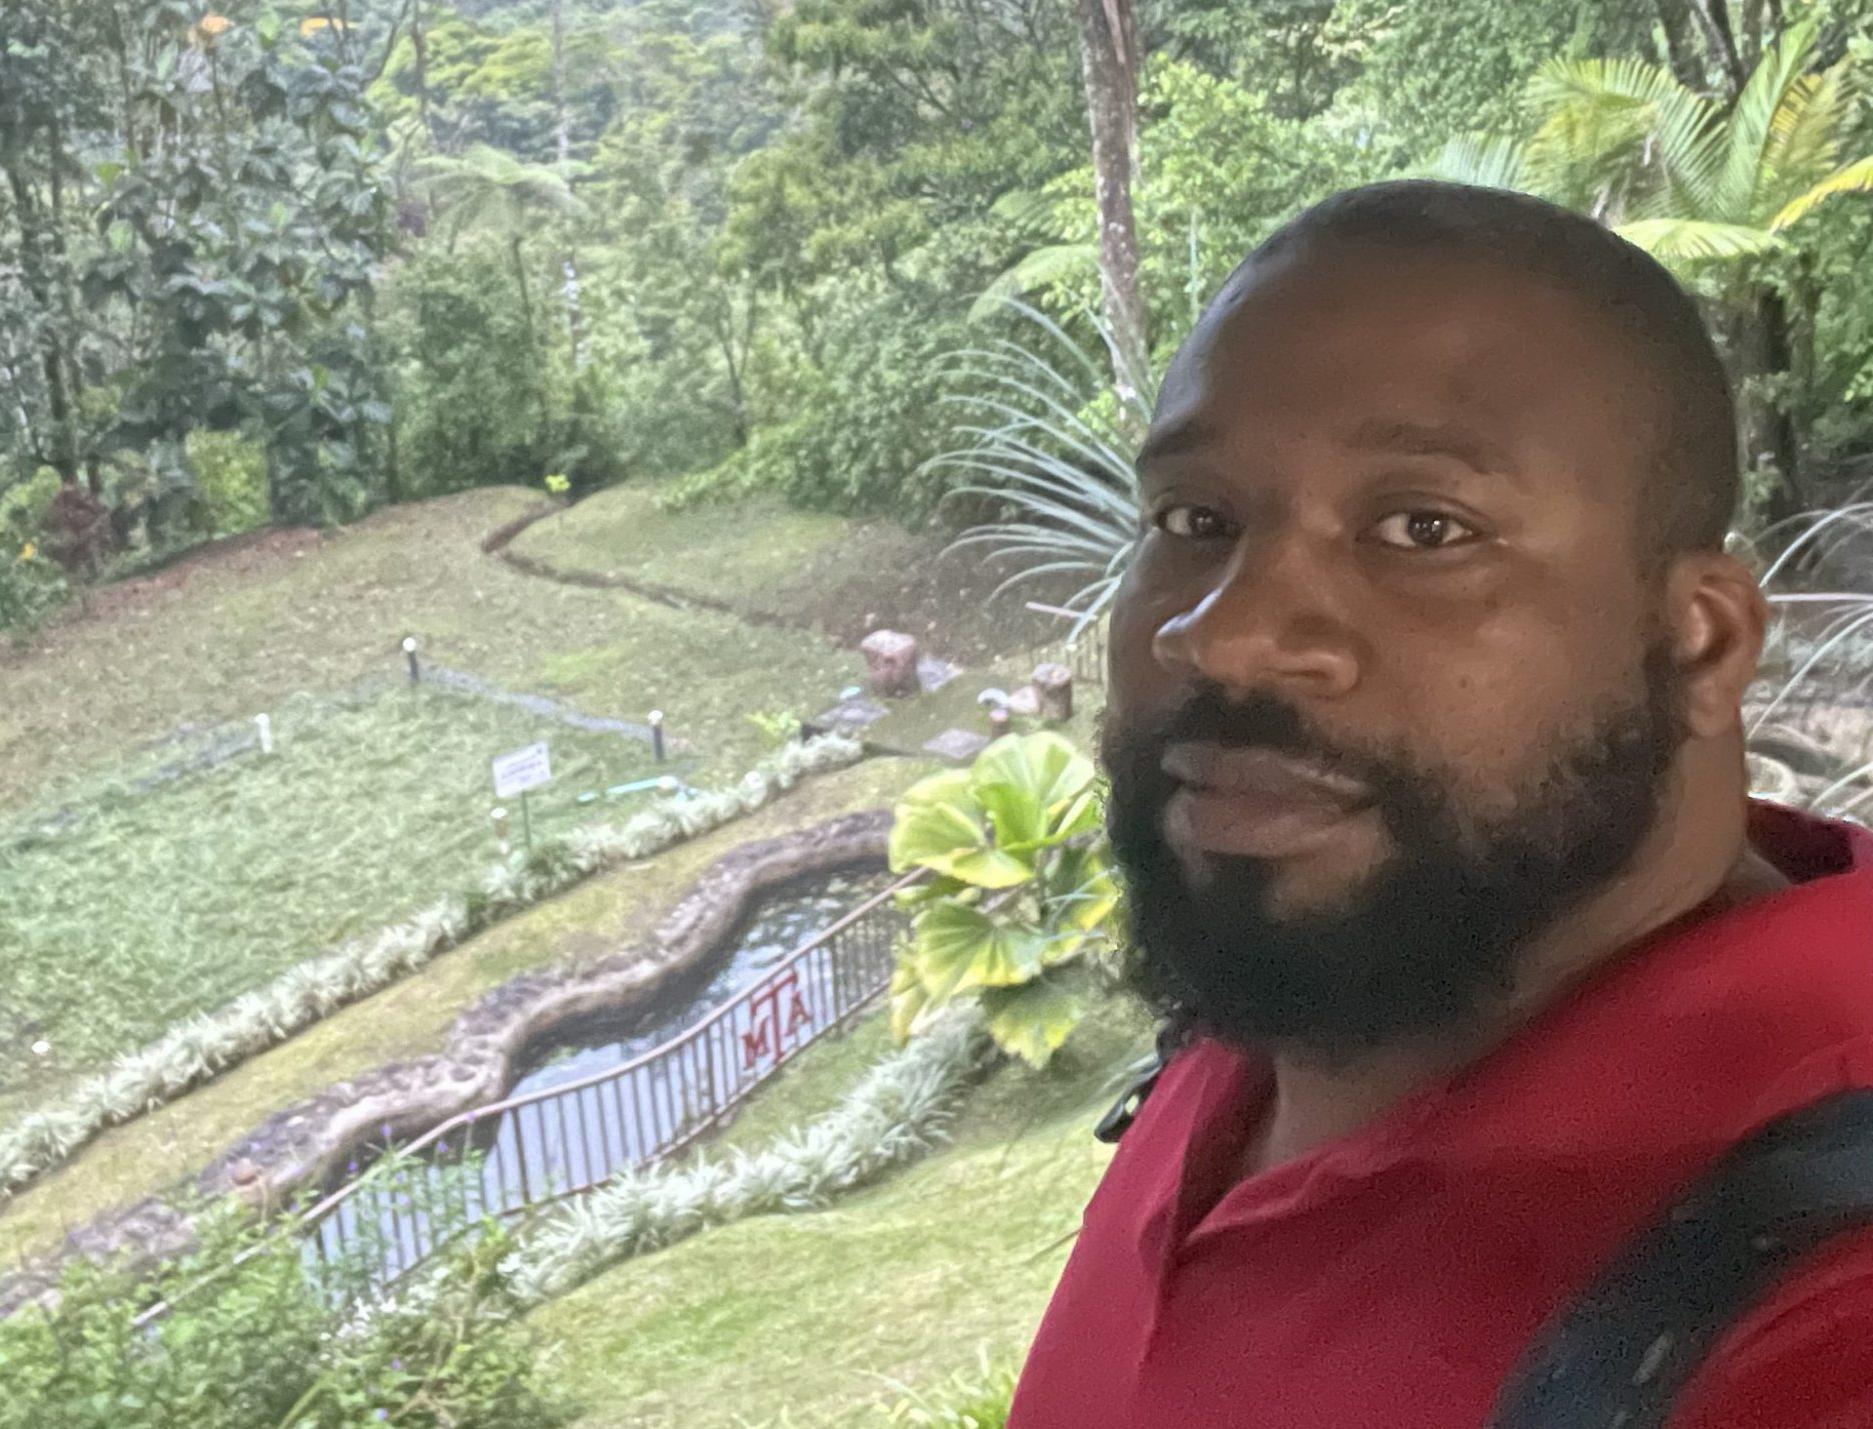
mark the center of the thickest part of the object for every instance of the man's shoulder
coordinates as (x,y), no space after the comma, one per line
(1802,1358)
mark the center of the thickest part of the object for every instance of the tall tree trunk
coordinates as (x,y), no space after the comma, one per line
(1765,351)
(575,311)
(1715,18)
(59,448)
(1110,57)
(526,319)
(1674,21)
(419,48)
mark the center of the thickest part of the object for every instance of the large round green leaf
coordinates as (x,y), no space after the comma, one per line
(1036,789)
(940,824)
(1032,1021)
(959,947)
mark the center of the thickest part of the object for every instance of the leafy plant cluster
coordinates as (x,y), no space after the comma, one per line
(256,1341)
(1021,903)
(193,219)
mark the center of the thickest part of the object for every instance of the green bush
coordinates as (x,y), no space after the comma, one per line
(231,475)
(1022,901)
(472,398)
(863,427)
(30,586)
(261,1343)
(30,583)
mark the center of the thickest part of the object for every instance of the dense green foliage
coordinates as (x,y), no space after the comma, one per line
(259,1342)
(192,219)
(411,247)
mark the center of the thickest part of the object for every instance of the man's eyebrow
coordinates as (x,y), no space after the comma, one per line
(1174,440)
(1391,434)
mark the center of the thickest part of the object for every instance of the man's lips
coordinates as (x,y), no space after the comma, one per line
(1255,803)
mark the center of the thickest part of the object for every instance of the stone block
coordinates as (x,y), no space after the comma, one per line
(891,662)
(1054,686)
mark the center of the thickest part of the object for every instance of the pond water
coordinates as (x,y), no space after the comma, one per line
(779,923)
(585,1135)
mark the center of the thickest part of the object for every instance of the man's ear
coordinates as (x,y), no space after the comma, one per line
(1716,615)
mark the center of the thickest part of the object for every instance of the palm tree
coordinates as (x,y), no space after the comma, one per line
(491,189)
(1707,188)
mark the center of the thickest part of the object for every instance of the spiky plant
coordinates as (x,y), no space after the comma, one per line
(1047,436)
(1817,666)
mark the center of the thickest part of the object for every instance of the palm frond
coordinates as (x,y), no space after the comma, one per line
(1752,122)
(1038,269)
(1622,136)
(1856,177)
(1487,161)
(1690,241)
(1805,135)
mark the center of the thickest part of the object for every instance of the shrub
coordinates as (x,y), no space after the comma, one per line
(1023,893)
(254,1339)
(30,583)
(231,476)
(862,426)
(472,399)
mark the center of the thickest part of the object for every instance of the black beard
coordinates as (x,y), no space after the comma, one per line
(1434,935)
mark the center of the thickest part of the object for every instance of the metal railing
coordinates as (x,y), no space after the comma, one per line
(645,1111)
(561,1140)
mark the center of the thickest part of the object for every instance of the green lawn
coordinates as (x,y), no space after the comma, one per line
(143,907)
(810,569)
(227,635)
(146,905)
(742,555)
(818,1316)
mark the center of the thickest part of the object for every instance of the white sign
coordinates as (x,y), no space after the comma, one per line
(522,770)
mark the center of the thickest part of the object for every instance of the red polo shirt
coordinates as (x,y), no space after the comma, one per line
(1394,1278)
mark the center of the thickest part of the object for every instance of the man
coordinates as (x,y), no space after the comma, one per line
(1428,784)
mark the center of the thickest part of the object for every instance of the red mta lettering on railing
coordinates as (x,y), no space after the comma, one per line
(768,1037)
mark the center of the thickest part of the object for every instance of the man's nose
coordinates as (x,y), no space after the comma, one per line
(1269,619)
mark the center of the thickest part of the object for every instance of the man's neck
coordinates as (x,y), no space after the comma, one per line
(1316,1102)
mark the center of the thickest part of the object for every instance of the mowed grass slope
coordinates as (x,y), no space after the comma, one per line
(818,1317)
(812,569)
(127,908)
(225,635)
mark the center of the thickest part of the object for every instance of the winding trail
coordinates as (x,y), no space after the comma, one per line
(498,542)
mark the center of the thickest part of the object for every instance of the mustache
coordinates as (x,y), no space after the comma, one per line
(1257,720)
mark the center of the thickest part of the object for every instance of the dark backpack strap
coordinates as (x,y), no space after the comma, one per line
(1620,1354)
(1173,1034)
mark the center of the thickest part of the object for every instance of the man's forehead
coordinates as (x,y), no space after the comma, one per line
(1437,353)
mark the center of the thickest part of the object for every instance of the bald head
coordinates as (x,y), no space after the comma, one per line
(1691,471)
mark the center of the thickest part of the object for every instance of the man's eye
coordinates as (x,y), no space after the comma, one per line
(1191,523)
(1422,531)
